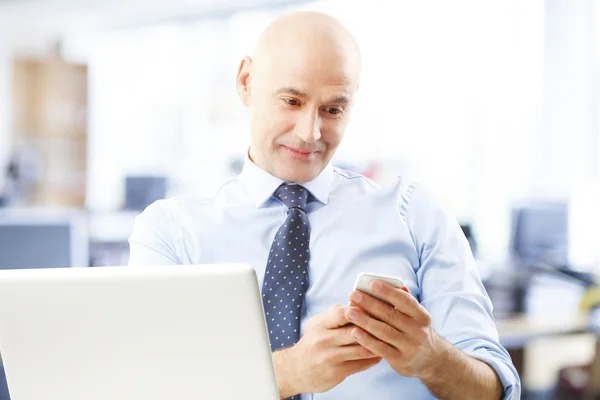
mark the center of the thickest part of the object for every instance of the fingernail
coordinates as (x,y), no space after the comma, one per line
(358,334)
(352,315)
(356,297)
(376,286)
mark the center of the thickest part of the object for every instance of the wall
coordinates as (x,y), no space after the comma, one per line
(489,103)
(567,149)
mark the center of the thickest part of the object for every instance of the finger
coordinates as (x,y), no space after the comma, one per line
(383,312)
(353,352)
(380,330)
(334,317)
(342,336)
(374,345)
(403,301)
(354,367)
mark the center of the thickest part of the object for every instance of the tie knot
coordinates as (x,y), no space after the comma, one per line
(292,195)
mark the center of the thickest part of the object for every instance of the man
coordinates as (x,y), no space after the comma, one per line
(309,228)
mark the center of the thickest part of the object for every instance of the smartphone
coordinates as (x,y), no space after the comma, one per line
(364,279)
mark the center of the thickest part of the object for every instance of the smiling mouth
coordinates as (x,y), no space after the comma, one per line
(299,154)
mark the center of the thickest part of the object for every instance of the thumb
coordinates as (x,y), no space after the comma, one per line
(334,317)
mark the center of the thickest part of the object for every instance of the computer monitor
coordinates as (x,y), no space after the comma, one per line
(141,191)
(540,233)
(43,239)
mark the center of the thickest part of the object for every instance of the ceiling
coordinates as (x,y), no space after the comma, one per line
(37,25)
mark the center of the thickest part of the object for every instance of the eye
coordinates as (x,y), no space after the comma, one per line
(292,102)
(334,111)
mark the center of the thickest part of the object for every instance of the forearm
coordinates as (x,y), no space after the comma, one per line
(458,376)
(284,372)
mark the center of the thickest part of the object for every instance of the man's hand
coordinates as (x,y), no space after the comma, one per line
(402,334)
(326,354)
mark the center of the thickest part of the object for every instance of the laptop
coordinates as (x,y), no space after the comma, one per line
(135,333)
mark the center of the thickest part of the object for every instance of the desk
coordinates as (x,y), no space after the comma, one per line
(517,330)
(519,334)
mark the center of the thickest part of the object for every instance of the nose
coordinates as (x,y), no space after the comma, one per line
(309,127)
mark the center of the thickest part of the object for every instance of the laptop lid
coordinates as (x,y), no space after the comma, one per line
(135,333)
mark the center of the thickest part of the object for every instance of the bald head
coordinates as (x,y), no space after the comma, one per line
(313,37)
(299,87)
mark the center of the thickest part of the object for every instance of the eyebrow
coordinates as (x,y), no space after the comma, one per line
(341,99)
(292,90)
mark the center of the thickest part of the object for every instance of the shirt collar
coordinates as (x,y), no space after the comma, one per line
(261,185)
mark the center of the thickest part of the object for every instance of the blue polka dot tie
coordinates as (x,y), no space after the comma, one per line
(286,276)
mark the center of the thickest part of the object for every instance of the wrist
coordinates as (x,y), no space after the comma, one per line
(436,370)
(284,362)
(453,374)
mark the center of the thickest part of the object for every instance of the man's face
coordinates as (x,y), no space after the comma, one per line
(299,108)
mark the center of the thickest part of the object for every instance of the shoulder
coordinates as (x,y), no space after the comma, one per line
(354,177)
(416,199)
(411,197)
(403,191)
(351,184)
(174,209)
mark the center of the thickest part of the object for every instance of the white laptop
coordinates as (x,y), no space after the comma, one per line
(135,333)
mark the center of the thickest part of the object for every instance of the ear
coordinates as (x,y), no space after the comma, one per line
(243,80)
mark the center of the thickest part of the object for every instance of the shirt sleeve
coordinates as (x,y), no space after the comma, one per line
(450,286)
(153,239)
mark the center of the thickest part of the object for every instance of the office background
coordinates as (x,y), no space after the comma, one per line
(107,106)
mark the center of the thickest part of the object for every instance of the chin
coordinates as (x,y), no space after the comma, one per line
(298,174)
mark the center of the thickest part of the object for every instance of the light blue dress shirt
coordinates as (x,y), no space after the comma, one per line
(356,227)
